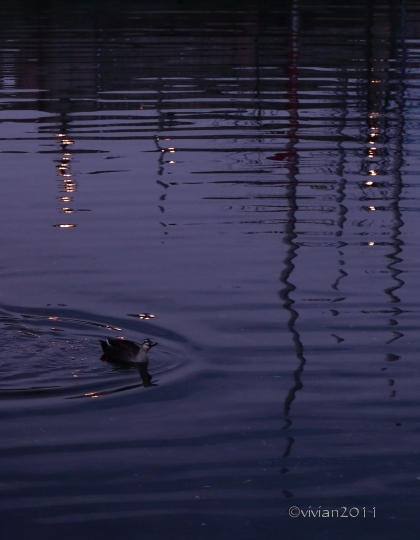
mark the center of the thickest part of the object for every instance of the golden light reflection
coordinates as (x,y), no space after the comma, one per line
(146,316)
(67,210)
(373,134)
(69,187)
(65,225)
(372,208)
(65,199)
(371,243)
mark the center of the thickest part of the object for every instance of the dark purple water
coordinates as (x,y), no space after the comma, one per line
(239,182)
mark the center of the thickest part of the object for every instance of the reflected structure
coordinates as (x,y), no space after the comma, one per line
(382,160)
(68,184)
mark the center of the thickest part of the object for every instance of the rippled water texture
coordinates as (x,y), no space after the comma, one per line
(239,182)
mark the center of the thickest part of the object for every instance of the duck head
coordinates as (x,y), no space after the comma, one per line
(147,344)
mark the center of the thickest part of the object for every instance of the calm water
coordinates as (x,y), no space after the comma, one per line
(239,182)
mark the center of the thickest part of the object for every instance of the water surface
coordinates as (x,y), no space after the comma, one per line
(238,182)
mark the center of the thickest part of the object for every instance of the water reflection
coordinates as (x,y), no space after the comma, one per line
(291,158)
(67,181)
(145,316)
(142,371)
(384,141)
(382,157)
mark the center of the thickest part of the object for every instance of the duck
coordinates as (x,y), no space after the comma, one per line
(124,350)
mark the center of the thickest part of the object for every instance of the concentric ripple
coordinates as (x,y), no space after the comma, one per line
(45,353)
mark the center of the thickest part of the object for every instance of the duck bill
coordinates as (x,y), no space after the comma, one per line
(153,344)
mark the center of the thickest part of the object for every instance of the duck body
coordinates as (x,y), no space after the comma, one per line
(124,350)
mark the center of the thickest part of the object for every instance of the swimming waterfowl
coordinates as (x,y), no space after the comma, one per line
(124,350)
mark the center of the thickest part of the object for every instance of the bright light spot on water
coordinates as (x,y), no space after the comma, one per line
(69,186)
